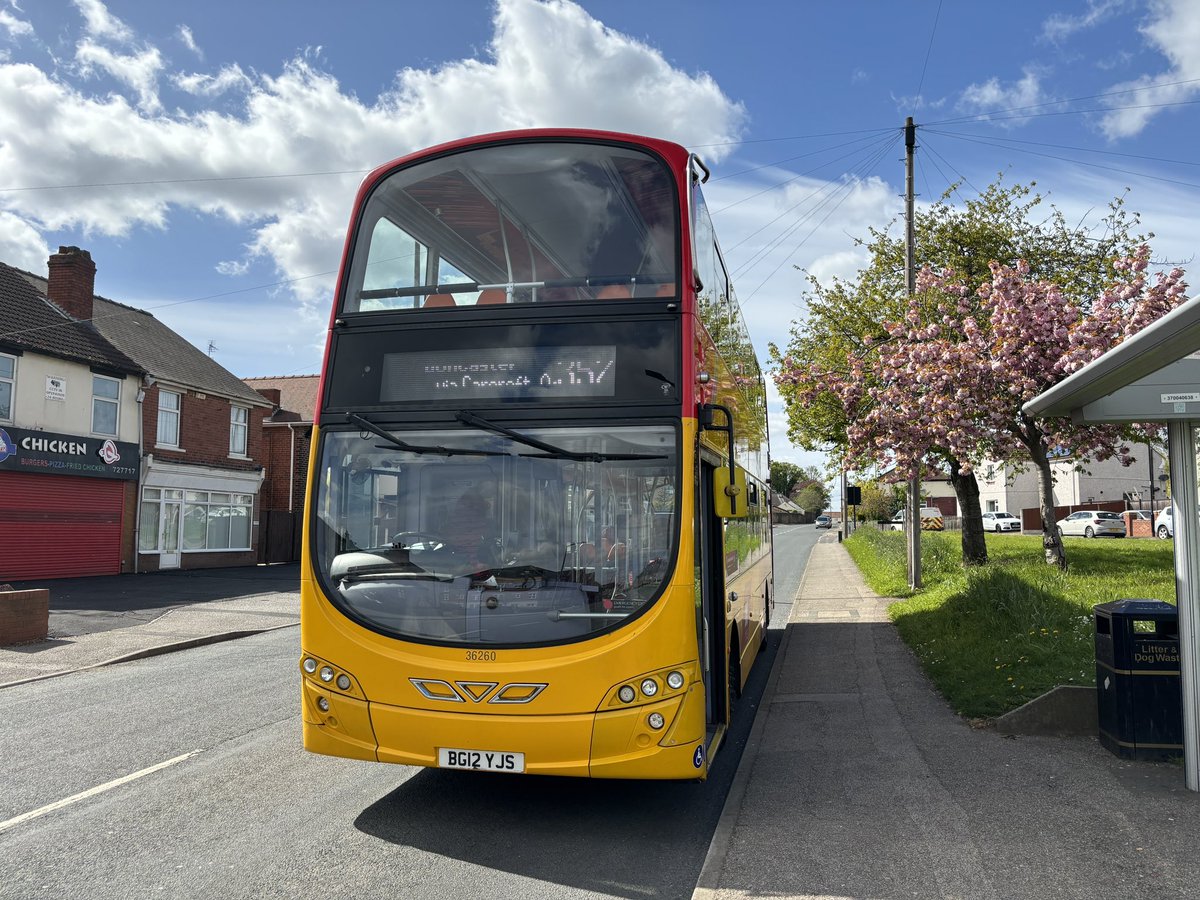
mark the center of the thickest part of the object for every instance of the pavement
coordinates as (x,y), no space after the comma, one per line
(105,620)
(857,779)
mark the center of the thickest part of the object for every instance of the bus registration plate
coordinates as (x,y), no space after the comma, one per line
(483,760)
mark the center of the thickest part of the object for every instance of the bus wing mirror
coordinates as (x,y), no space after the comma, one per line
(729,493)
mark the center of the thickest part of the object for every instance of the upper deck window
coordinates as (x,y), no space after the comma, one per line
(517,223)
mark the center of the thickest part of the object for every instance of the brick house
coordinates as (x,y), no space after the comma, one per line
(69,423)
(199,430)
(287,433)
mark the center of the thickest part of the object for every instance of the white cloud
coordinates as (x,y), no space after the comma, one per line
(233,267)
(100,23)
(1174,30)
(23,245)
(550,63)
(14,26)
(199,84)
(138,71)
(189,40)
(996,96)
(1061,26)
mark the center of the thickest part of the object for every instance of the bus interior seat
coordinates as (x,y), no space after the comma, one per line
(434,300)
(614,292)
(492,296)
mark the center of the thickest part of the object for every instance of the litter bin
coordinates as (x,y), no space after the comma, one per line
(1138,693)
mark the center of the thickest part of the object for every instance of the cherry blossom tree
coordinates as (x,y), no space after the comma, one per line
(952,375)
(843,336)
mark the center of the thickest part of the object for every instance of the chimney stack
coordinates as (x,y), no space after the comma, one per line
(72,281)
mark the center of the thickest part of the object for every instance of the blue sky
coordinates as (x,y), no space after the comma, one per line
(206,154)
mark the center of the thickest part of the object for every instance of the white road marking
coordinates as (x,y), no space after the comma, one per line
(92,792)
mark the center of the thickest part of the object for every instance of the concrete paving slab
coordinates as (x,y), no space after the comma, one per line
(859,781)
(177,628)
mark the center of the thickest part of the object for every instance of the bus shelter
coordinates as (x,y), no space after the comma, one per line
(1155,377)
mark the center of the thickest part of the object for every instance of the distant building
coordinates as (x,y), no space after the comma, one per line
(936,489)
(287,433)
(1100,485)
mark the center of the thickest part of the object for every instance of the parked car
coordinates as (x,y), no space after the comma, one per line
(931,520)
(1164,523)
(824,522)
(1000,521)
(1092,523)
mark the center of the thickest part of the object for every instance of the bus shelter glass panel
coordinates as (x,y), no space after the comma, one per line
(517,223)
(468,537)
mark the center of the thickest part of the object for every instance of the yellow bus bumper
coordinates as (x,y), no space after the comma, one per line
(612,744)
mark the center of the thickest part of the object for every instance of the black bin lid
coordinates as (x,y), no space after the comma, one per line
(1133,608)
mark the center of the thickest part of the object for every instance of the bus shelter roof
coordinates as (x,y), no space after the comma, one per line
(1155,377)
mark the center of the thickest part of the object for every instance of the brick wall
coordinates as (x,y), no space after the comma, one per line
(204,431)
(277,458)
(129,535)
(24,616)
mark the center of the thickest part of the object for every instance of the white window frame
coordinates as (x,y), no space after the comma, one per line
(167,414)
(239,429)
(11,381)
(203,502)
(116,402)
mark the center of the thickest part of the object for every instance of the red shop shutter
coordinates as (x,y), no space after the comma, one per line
(58,526)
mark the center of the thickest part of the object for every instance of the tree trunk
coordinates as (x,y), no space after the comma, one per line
(1052,544)
(966,488)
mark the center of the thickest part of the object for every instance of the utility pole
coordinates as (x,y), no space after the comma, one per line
(913,531)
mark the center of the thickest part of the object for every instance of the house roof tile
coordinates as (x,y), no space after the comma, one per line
(297,395)
(30,322)
(166,355)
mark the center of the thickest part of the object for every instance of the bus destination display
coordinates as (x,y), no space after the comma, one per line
(499,373)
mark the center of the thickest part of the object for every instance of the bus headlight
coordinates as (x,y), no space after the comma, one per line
(649,687)
(323,704)
(656,721)
(310,665)
(627,693)
(343,682)
(326,673)
(675,680)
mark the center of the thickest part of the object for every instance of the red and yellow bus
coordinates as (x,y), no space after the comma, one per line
(537,536)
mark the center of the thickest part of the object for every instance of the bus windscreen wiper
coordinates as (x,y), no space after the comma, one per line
(469,418)
(368,425)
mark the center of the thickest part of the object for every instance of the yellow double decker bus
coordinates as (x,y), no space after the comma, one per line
(537,536)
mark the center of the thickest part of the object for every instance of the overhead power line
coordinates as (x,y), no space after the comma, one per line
(207,180)
(133,310)
(929,49)
(1078,162)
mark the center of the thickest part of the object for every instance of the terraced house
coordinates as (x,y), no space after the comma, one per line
(85,380)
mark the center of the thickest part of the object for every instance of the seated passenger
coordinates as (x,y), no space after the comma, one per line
(467,526)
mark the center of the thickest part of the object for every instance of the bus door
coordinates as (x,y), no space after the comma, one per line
(710,554)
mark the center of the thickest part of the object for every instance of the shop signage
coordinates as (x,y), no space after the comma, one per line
(49,453)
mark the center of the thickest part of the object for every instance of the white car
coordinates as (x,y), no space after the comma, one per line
(1092,523)
(1164,523)
(1000,521)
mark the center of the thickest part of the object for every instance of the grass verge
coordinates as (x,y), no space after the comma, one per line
(995,636)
